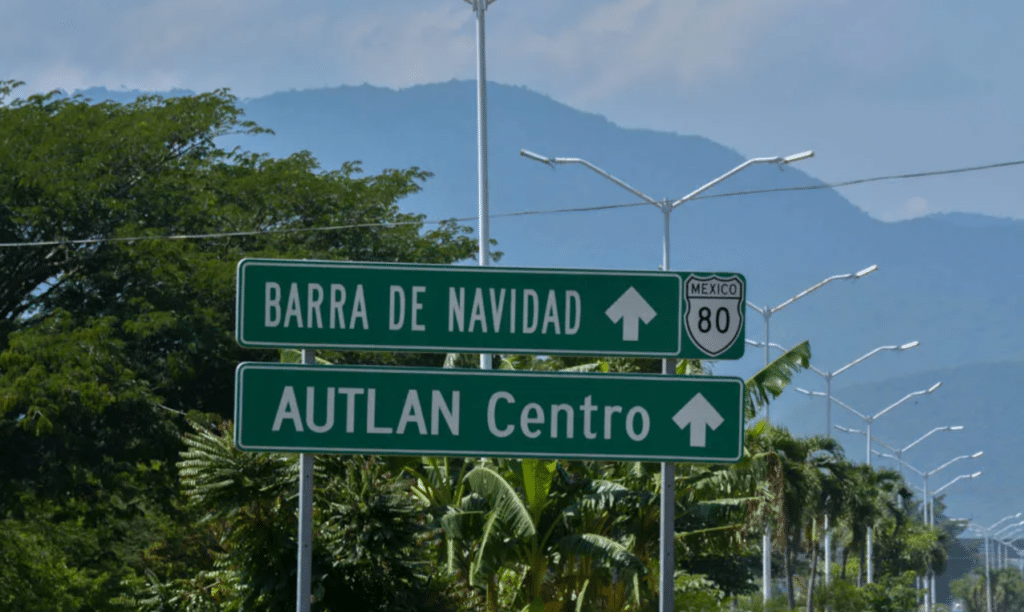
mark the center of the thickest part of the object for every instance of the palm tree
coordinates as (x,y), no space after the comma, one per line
(803,464)
(869,496)
(518,517)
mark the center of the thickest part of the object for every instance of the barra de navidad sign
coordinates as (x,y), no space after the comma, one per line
(417,411)
(433,308)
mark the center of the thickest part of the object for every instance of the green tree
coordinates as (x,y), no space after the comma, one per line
(803,462)
(122,225)
(517,525)
(371,539)
(1007,590)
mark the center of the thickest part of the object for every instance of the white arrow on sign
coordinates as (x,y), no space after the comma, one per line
(630,308)
(699,414)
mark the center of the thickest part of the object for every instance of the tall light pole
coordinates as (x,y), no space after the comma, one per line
(936,492)
(928,514)
(931,572)
(767,312)
(928,510)
(666,207)
(868,420)
(666,596)
(898,452)
(1007,540)
(483,206)
(988,565)
(998,539)
(828,376)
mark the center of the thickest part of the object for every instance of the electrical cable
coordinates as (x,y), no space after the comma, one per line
(521,213)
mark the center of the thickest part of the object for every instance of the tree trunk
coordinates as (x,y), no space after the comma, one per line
(492,594)
(787,559)
(814,568)
(846,557)
(860,570)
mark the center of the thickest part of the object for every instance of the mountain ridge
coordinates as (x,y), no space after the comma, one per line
(951,280)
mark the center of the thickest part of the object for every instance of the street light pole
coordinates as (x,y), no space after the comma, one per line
(931,572)
(666,597)
(988,571)
(483,205)
(869,420)
(828,376)
(929,510)
(997,540)
(898,452)
(767,312)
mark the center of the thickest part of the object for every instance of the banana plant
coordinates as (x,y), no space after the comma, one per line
(524,524)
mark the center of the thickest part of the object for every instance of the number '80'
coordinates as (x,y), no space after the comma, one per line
(721,319)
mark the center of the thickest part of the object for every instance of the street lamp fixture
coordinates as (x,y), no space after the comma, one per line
(664,206)
(768,311)
(828,376)
(797,157)
(955,480)
(537,157)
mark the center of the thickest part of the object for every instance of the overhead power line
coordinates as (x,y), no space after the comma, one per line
(521,213)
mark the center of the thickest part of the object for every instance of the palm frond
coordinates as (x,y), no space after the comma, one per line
(505,502)
(537,477)
(602,551)
(769,383)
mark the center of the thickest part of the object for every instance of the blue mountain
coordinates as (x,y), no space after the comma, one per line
(954,282)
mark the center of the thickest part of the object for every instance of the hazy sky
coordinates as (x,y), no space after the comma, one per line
(875,87)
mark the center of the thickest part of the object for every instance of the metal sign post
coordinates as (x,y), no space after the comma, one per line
(303,581)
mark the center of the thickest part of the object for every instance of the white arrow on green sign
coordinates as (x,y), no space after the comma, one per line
(391,411)
(429,308)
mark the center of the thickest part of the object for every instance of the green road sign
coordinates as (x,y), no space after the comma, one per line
(394,411)
(398,307)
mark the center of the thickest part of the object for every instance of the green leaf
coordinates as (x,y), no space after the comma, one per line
(537,477)
(776,376)
(508,508)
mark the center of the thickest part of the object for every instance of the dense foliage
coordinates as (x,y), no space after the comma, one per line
(120,486)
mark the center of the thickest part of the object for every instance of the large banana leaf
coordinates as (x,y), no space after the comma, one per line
(775,377)
(537,477)
(508,508)
(601,550)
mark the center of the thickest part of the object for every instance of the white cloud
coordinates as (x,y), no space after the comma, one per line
(645,47)
(911,208)
(583,51)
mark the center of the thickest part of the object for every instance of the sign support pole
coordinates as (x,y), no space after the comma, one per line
(667,552)
(303,581)
(668,519)
(484,220)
